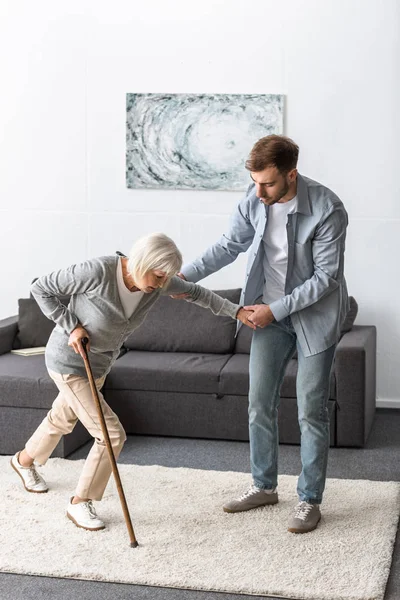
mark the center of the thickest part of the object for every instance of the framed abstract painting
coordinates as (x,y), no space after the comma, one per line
(196,141)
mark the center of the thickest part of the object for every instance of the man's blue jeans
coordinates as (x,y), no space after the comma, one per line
(271,350)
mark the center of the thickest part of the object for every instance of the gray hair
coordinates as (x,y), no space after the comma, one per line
(154,251)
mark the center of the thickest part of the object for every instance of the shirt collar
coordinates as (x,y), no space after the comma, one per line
(303,201)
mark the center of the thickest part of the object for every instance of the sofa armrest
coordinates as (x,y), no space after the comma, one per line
(355,372)
(8,331)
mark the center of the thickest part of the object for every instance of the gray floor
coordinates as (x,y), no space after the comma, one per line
(378,461)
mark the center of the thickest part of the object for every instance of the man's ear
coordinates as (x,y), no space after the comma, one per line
(292,175)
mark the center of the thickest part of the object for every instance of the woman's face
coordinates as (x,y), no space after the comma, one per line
(151,281)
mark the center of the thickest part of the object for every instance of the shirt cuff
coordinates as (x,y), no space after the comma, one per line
(231,309)
(190,274)
(279,310)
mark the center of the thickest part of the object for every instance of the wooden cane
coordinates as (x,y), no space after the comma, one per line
(113,462)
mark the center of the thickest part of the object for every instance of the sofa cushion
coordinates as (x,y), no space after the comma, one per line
(243,338)
(24,382)
(8,331)
(166,372)
(180,326)
(34,328)
(235,378)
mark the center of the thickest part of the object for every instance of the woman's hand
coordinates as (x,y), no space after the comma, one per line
(243,316)
(75,340)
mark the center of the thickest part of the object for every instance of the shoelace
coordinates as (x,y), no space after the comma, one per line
(91,511)
(302,510)
(34,474)
(250,492)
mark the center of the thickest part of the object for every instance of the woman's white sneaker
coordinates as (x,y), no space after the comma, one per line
(33,482)
(84,515)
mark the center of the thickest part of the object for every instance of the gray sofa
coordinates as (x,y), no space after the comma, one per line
(182,373)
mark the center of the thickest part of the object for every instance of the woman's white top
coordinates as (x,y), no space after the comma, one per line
(129,300)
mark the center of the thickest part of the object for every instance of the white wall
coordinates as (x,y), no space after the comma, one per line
(66,67)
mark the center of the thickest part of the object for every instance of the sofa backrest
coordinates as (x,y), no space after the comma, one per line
(171,326)
(181,326)
(243,339)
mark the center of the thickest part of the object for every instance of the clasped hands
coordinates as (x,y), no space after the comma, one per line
(255,315)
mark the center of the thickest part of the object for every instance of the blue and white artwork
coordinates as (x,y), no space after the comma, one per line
(196,141)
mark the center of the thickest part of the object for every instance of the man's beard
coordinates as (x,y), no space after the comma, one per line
(281,194)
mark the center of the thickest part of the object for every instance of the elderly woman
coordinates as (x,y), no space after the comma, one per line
(110,297)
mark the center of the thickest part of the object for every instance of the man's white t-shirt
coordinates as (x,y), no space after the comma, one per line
(276,250)
(129,300)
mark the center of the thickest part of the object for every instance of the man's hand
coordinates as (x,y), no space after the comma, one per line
(243,316)
(180,296)
(75,340)
(262,315)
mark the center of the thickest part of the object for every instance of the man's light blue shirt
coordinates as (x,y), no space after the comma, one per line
(316,292)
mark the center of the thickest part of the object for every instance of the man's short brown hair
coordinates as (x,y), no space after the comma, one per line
(273,151)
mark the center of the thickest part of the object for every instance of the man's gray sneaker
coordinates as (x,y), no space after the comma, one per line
(305,518)
(252,498)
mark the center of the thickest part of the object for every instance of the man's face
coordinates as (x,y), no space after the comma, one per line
(271,185)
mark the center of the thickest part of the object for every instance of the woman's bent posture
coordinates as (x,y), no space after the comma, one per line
(110,297)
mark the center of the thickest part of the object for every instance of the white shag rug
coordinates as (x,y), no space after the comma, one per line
(187,541)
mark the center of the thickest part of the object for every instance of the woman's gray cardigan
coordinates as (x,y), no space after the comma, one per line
(95,304)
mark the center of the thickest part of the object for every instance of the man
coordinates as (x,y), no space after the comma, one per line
(295,229)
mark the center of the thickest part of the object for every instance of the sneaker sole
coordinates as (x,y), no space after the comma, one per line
(294,530)
(234,510)
(83,527)
(27,489)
